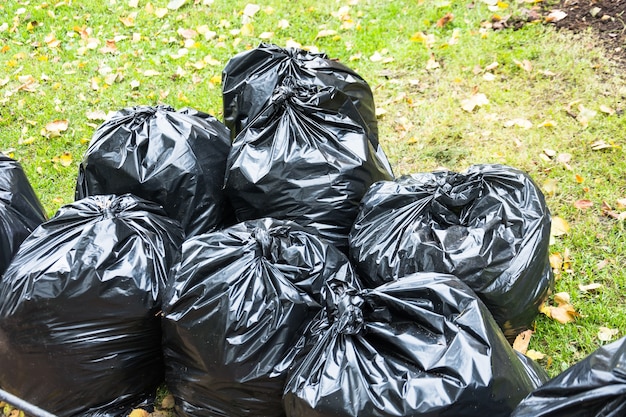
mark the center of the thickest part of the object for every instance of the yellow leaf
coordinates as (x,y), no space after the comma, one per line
(535,355)
(548,123)
(66,159)
(590,287)
(129,21)
(522,341)
(247,29)
(562,298)
(138,412)
(559,226)
(564,313)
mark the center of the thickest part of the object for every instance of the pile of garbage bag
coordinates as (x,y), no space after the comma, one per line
(272,265)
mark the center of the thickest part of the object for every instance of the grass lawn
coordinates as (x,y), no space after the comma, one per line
(456,83)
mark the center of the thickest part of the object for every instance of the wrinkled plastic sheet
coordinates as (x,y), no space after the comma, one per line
(489,226)
(238,301)
(20,209)
(423,345)
(595,386)
(79,330)
(306,158)
(173,158)
(250,78)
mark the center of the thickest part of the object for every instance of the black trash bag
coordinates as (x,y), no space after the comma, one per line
(595,386)
(173,158)
(20,209)
(423,345)
(250,78)
(238,301)
(306,158)
(80,333)
(489,226)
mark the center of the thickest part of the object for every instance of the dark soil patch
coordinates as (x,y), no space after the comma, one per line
(606,18)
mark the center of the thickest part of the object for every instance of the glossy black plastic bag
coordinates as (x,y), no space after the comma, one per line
(489,226)
(596,386)
(80,333)
(174,158)
(239,300)
(423,345)
(250,78)
(20,209)
(307,158)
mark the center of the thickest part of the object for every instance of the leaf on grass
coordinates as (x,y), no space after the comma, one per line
(151,73)
(447,18)
(526,65)
(187,33)
(56,127)
(556,262)
(607,110)
(535,355)
(550,186)
(585,115)
(476,100)
(548,123)
(129,21)
(564,312)
(583,204)
(66,159)
(251,9)
(324,33)
(559,226)
(590,287)
(96,115)
(606,334)
(519,122)
(601,144)
(168,402)
(176,4)
(522,341)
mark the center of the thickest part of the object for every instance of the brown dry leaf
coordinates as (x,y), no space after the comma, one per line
(590,287)
(56,127)
(522,341)
(606,334)
(564,313)
(447,18)
(583,204)
(129,21)
(556,262)
(168,402)
(109,47)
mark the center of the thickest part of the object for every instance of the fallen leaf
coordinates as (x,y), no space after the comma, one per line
(176,4)
(523,123)
(559,226)
(526,65)
(66,159)
(535,355)
(590,287)
(187,33)
(96,115)
(447,18)
(556,262)
(585,115)
(327,32)
(55,127)
(522,341)
(601,144)
(583,204)
(151,73)
(138,412)
(607,109)
(476,100)
(556,16)
(606,334)
(550,186)
(251,9)
(168,402)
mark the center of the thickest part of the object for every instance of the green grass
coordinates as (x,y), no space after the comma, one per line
(541,75)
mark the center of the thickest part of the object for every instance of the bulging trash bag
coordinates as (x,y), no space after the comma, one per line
(20,209)
(595,386)
(238,301)
(250,78)
(80,333)
(423,345)
(173,158)
(306,158)
(489,226)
